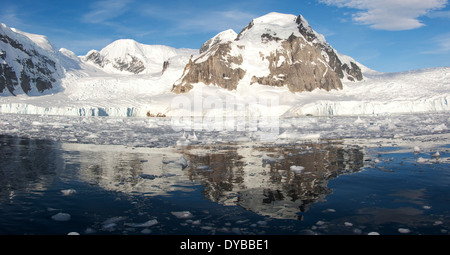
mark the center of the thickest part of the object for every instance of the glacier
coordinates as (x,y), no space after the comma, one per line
(418,91)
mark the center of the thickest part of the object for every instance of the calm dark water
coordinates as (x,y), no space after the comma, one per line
(329,187)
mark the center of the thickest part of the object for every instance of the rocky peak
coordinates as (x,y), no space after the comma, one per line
(343,69)
(276,50)
(215,66)
(222,37)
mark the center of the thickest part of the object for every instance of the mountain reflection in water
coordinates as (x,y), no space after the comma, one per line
(263,179)
(278,181)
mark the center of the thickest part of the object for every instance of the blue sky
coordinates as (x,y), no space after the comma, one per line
(385,35)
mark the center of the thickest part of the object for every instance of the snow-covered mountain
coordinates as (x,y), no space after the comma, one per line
(30,64)
(276,50)
(127,56)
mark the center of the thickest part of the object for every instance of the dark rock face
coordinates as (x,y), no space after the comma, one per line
(8,78)
(353,71)
(35,69)
(129,63)
(96,58)
(165,66)
(133,66)
(298,69)
(216,69)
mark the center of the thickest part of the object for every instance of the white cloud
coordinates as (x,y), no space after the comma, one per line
(389,14)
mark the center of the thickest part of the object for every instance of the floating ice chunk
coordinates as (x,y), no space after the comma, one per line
(373,128)
(297,169)
(183,142)
(61,217)
(109,227)
(110,223)
(320,223)
(440,128)
(142,225)
(68,192)
(266,158)
(73,234)
(183,214)
(310,137)
(397,136)
(146,231)
(416,149)
(422,160)
(426,207)
(437,154)
(348,224)
(36,123)
(183,162)
(359,121)
(438,222)
(206,227)
(404,230)
(262,223)
(373,234)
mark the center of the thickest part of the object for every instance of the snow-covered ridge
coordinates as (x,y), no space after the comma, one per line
(30,64)
(126,56)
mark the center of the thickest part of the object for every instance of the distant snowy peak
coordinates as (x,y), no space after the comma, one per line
(129,56)
(275,50)
(29,63)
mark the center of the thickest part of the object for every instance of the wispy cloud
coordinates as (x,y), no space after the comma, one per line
(104,11)
(190,19)
(440,44)
(391,15)
(10,15)
(439,14)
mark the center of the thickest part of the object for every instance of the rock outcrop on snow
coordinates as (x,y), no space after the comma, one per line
(275,50)
(214,70)
(126,63)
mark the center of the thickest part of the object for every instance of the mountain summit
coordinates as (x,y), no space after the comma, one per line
(276,50)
